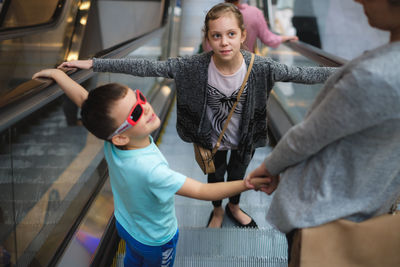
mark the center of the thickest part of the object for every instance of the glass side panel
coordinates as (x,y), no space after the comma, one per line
(28,13)
(338,27)
(295,98)
(48,171)
(7,213)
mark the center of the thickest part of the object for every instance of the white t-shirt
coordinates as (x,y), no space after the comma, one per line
(222,91)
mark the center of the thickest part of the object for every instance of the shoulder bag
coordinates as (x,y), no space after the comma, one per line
(342,243)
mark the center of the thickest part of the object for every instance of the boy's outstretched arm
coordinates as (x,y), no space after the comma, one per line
(216,191)
(72,89)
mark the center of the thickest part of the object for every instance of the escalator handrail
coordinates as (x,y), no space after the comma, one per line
(315,54)
(46,90)
(318,55)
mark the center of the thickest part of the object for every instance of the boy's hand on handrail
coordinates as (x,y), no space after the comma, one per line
(81,64)
(72,89)
(46,73)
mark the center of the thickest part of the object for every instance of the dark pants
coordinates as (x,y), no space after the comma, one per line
(234,168)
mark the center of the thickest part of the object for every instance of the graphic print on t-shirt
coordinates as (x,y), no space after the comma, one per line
(221,104)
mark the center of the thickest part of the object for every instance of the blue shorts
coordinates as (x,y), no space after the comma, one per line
(138,254)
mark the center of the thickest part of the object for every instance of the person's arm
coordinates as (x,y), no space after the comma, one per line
(263,32)
(262,171)
(216,191)
(358,101)
(135,66)
(308,75)
(73,90)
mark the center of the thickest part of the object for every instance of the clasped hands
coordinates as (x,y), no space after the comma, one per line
(261,179)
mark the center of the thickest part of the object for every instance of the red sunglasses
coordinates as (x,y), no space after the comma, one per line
(134,115)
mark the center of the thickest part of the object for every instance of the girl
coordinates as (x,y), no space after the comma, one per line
(207,85)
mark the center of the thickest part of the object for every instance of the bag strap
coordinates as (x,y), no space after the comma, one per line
(233,107)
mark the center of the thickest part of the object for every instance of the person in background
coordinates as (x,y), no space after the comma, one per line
(342,160)
(256,27)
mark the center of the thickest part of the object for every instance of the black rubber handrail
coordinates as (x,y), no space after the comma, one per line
(317,55)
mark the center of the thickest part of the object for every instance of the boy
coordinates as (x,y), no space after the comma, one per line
(143,185)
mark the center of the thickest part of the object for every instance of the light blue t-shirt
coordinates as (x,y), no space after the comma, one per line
(144,186)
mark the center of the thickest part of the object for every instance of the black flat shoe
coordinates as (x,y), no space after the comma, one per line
(251,224)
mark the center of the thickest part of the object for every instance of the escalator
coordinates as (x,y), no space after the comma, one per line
(56,203)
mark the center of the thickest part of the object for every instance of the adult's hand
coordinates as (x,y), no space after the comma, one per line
(262,172)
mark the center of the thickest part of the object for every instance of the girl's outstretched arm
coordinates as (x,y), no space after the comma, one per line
(72,89)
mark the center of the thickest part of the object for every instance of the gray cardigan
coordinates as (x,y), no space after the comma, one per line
(191,74)
(343,160)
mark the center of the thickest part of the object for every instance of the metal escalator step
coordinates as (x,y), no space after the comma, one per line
(49,150)
(229,262)
(53,139)
(267,244)
(227,247)
(36,161)
(54,123)
(32,192)
(46,131)
(30,175)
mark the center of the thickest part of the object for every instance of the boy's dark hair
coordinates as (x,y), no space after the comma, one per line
(96,109)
